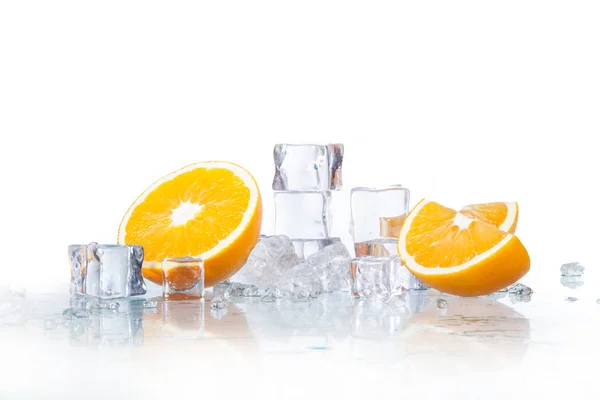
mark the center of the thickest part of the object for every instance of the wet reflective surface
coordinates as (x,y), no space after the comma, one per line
(424,340)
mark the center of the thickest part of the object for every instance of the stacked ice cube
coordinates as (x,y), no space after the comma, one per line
(305,176)
(377,215)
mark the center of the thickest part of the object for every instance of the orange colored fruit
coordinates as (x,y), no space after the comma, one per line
(503,216)
(209,209)
(459,255)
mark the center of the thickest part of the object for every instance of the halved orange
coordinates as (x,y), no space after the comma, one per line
(503,216)
(459,255)
(209,209)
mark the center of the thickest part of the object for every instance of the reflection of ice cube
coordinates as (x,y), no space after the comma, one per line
(377,212)
(183,320)
(378,277)
(99,323)
(572,282)
(572,269)
(106,271)
(307,247)
(303,215)
(308,167)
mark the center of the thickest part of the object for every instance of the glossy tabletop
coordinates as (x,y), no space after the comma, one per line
(55,346)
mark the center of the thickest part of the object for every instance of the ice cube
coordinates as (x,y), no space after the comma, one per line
(269,260)
(308,167)
(183,278)
(572,282)
(378,213)
(106,271)
(572,269)
(307,247)
(378,277)
(520,290)
(303,215)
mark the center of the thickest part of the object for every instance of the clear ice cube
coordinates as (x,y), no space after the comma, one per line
(272,257)
(308,167)
(378,277)
(183,278)
(303,215)
(572,269)
(307,247)
(106,271)
(378,213)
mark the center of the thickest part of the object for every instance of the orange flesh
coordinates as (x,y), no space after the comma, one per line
(222,210)
(435,240)
(492,213)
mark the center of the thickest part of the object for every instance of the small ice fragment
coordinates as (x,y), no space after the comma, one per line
(572,269)
(218,303)
(113,306)
(308,167)
(150,304)
(571,299)
(441,303)
(520,289)
(272,257)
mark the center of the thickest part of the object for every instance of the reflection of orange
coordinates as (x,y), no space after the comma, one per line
(211,210)
(183,277)
(390,226)
(459,255)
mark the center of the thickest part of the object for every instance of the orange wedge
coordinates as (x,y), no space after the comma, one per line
(210,209)
(503,216)
(459,255)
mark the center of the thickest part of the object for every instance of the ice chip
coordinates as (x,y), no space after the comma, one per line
(308,167)
(218,303)
(572,269)
(106,271)
(269,260)
(571,299)
(520,290)
(303,215)
(441,303)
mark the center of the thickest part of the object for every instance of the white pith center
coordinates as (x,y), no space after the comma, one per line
(461,221)
(185,212)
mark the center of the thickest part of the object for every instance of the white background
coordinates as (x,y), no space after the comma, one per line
(461,101)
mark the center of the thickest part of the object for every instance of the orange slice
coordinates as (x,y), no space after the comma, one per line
(503,216)
(210,209)
(459,255)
